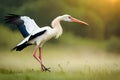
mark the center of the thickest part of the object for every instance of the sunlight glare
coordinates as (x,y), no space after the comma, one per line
(112,1)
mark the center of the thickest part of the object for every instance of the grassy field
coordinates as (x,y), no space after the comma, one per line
(67,62)
(60,76)
(69,59)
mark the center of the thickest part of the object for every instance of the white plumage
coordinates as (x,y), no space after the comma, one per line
(29,23)
(38,36)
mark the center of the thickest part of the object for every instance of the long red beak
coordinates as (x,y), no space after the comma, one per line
(78,21)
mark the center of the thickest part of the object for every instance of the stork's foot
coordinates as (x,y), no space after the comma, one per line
(44,69)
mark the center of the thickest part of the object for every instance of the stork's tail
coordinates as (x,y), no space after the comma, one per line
(20,47)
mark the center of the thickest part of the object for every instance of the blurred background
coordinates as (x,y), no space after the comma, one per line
(97,44)
(102,15)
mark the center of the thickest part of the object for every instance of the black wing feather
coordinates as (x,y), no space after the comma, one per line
(37,34)
(14,19)
(21,47)
(25,44)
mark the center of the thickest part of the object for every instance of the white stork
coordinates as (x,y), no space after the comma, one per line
(35,35)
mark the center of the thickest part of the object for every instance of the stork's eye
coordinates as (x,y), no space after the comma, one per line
(69,17)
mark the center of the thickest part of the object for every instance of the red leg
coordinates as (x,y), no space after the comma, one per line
(40,54)
(39,59)
(34,55)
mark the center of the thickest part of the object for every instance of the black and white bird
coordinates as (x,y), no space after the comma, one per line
(35,35)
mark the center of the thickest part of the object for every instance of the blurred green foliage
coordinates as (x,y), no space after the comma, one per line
(101,15)
(8,38)
(113,45)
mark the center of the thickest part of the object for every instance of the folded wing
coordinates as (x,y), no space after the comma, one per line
(26,43)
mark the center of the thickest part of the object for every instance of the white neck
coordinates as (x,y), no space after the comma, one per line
(56,26)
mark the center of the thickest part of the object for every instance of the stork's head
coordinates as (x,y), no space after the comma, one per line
(69,18)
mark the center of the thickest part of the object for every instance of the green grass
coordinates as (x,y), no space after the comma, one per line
(36,75)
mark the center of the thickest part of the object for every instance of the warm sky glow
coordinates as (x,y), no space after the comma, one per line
(113,1)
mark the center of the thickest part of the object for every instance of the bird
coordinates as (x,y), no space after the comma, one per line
(35,35)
